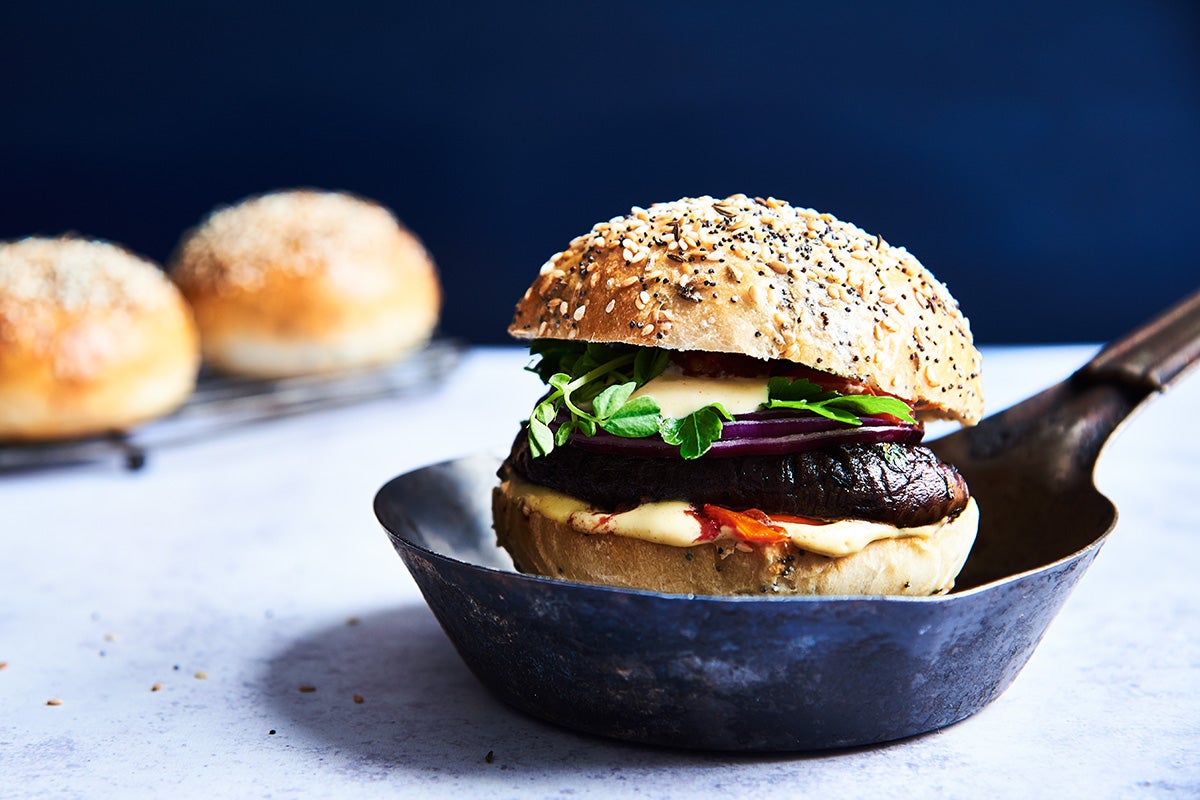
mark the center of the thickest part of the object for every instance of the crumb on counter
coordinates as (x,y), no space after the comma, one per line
(307,688)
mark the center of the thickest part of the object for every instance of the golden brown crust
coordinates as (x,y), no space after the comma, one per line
(765,279)
(905,566)
(92,339)
(304,281)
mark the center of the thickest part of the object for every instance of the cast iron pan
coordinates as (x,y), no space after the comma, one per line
(796,673)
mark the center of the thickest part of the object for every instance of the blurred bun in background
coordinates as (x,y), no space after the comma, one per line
(93,339)
(304,281)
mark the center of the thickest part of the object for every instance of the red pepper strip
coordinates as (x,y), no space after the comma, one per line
(746,526)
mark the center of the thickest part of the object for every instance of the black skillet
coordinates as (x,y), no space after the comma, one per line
(796,673)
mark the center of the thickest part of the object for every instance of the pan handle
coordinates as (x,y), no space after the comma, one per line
(1153,355)
(1072,420)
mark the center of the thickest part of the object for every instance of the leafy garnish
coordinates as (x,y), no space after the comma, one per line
(592,388)
(696,432)
(637,419)
(804,395)
(592,383)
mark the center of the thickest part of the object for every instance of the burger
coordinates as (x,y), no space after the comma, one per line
(736,393)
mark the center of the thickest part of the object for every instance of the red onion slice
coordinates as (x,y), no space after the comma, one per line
(764,433)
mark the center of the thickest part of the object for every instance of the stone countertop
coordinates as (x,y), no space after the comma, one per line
(232,621)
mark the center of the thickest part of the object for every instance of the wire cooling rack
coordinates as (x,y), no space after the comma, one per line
(221,404)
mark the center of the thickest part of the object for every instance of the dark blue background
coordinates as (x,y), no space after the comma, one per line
(1041,158)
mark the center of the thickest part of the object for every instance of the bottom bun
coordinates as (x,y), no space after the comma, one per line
(908,565)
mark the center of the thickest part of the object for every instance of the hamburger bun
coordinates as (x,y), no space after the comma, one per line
(92,339)
(734,294)
(764,279)
(301,282)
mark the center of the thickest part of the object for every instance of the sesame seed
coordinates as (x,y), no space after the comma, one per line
(611,305)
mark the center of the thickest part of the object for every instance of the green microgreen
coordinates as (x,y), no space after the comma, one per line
(696,432)
(804,395)
(592,387)
(592,383)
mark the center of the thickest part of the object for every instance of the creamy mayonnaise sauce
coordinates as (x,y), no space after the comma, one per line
(679,395)
(669,523)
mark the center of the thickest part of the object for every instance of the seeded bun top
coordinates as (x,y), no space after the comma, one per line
(58,291)
(303,281)
(92,339)
(764,279)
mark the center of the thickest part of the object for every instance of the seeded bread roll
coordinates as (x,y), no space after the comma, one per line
(301,282)
(764,279)
(92,339)
(916,566)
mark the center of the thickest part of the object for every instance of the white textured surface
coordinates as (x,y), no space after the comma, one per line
(244,558)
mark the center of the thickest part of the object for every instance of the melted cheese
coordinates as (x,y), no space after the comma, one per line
(679,395)
(669,523)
